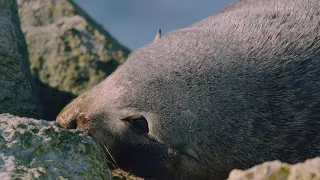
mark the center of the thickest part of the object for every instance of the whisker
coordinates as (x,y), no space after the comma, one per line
(111,160)
(114,161)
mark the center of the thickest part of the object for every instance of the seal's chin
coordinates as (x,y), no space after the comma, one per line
(146,157)
(133,152)
(142,161)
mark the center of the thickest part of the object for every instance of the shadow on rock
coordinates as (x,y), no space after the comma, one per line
(52,100)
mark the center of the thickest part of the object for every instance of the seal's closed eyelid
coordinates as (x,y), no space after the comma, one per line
(137,124)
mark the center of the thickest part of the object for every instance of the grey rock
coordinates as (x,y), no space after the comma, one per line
(37,149)
(17,93)
(308,170)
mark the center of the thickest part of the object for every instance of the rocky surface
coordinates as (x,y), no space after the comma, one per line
(69,52)
(37,149)
(17,95)
(308,170)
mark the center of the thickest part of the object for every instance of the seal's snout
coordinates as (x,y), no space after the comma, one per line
(71,117)
(72,124)
(67,118)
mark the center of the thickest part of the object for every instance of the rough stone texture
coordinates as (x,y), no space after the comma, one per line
(37,149)
(69,52)
(276,170)
(17,94)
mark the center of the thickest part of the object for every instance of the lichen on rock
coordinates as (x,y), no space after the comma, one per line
(37,149)
(308,170)
(66,51)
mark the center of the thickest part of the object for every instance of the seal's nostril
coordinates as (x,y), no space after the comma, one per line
(72,124)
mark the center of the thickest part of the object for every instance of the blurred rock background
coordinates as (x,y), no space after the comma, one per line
(68,51)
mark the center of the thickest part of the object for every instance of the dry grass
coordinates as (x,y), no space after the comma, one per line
(119,174)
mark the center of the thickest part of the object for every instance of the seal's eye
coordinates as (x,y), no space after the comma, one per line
(137,124)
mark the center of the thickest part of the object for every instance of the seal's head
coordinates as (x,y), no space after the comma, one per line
(132,114)
(231,91)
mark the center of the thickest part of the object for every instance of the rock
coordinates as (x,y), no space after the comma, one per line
(308,170)
(37,149)
(17,93)
(69,52)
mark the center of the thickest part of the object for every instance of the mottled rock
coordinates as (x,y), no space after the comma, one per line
(308,170)
(69,52)
(37,149)
(17,95)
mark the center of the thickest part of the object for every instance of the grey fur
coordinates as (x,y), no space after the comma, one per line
(231,91)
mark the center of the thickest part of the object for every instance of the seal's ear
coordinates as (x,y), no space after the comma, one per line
(158,36)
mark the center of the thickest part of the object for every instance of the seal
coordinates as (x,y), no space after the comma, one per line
(231,91)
